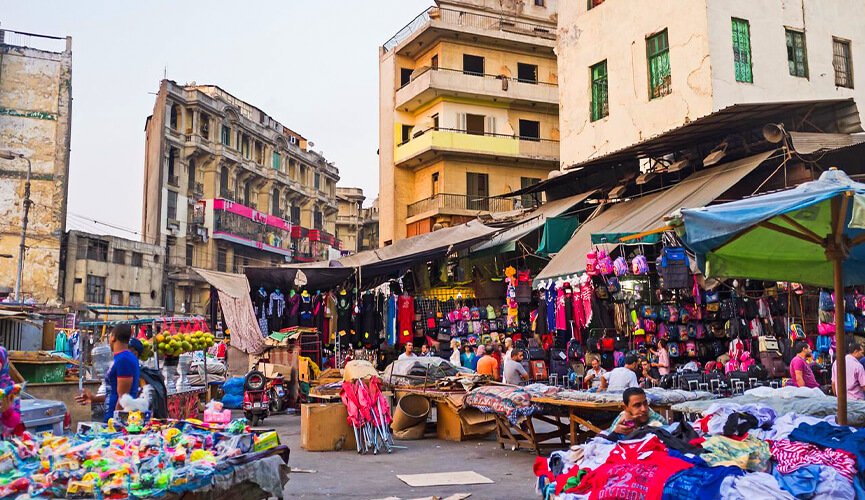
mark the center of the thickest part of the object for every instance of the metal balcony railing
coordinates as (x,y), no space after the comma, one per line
(446,201)
(505,79)
(467,20)
(415,135)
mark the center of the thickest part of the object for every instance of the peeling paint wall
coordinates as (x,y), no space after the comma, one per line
(35,109)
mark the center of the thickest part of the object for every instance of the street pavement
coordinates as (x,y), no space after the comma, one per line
(347,474)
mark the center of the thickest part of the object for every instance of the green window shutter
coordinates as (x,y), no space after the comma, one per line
(276,160)
(742,51)
(796,54)
(600,98)
(658,57)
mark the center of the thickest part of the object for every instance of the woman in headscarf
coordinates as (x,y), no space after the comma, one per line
(10,406)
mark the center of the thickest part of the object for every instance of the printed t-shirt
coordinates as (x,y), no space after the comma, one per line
(125,366)
(799,364)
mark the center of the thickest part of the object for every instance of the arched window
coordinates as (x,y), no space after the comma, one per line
(172,118)
(223,182)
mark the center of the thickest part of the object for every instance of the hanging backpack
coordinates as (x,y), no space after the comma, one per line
(674,349)
(823,344)
(826,301)
(605,263)
(674,269)
(639,265)
(592,263)
(620,267)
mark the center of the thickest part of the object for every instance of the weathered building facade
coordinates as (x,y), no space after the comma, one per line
(629,71)
(468,110)
(349,217)
(102,269)
(35,114)
(368,236)
(227,186)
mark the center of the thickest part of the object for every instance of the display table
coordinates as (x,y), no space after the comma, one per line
(593,416)
(184,404)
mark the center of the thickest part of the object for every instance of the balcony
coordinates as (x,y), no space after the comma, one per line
(437,22)
(456,204)
(196,192)
(429,83)
(174,181)
(433,142)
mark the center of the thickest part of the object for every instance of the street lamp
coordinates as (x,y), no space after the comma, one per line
(9,155)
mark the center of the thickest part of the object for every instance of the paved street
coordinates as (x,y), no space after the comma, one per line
(349,475)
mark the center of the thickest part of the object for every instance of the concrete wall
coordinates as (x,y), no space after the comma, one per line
(35,112)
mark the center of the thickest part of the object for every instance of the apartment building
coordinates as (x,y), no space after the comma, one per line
(348,217)
(368,236)
(468,110)
(103,269)
(35,121)
(227,186)
(632,70)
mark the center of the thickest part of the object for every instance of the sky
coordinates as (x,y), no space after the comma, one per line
(313,66)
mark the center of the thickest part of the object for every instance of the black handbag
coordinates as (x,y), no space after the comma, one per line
(690,380)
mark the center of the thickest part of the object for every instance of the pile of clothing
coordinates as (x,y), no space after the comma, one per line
(513,403)
(733,452)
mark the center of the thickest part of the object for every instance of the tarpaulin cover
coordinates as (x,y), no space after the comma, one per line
(233,291)
(319,275)
(648,212)
(736,239)
(557,233)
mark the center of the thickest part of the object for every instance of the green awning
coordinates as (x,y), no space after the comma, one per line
(557,232)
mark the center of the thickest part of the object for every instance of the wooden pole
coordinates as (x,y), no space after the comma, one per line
(840,342)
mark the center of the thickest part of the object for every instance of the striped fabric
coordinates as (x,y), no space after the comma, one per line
(791,455)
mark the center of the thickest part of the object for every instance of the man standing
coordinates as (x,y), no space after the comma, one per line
(800,371)
(514,372)
(122,377)
(409,353)
(424,351)
(622,377)
(855,373)
(487,365)
(663,362)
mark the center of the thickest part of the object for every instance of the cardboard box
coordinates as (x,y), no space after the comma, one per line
(455,422)
(324,427)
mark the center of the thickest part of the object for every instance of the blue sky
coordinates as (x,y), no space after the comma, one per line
(311,65)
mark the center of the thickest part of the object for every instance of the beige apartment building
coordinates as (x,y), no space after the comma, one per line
(632,70)
(227,186)
(368,235)
(103,269)
(35,114)
(468,110)
(348,217)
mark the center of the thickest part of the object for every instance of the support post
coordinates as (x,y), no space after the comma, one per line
(840,342)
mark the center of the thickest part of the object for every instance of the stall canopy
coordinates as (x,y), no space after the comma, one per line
(313,275)
(641,214)
(529,222)
(237,311)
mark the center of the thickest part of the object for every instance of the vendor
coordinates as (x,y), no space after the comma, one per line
(592,380)
(636,415)
(622,377)
(649,376)
(662,358)
(409,353)
(122,377)
(514,371)
(801,374)
(855,373)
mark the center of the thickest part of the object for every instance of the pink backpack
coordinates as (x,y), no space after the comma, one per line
(639,265)
(592,263)
(605,263)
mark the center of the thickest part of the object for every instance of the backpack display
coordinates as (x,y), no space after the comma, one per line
(620,267)
(592,263)
(674,268)
(640,265)
(823,344)
(758,372)
(604,263)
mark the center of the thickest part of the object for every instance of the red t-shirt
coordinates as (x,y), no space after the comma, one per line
(405,319)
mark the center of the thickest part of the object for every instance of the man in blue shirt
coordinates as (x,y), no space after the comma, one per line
(122,377)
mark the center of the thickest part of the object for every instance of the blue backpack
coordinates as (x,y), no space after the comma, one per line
(824,343)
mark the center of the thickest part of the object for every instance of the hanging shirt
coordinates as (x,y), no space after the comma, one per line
(561,320)
(390,327)
(405,319)
(550,297)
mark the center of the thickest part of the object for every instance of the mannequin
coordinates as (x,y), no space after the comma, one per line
(259,303)
(275,310)
(292,308)
(405,318)
(343,317)
(305,316)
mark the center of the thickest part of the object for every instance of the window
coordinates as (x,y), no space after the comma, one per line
(221,259)
(742,51)
(527,73)
(435,183)
(316,181)
(95,289)
(658,58)
(473,65)
(600,97)
(405,134)
(172,116)
(138,259)
(204,127)
(295,215)
(116,298)
(539,3)
(797,58)
(119,257)
(593,3)
(190,253)
(244,146)
(97,250)
(274,203)
(530,130)
(190,171)
(81,250)
(172,205)
(172,155)
(317,219)
(474,124)
(842,63)
(405,76)
(434,62)
(247,194)
(225,136)
(478,191)
(435,120)
(134,299)
(528,200)
(277,160)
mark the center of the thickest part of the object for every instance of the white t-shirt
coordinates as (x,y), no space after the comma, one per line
(406,356)
(620,379)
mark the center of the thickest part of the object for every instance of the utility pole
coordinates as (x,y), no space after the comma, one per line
(8,155)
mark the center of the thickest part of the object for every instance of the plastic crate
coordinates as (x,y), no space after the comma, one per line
(41,372)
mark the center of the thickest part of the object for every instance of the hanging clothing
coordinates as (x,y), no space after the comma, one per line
(550,296)
(275,310)
(343,321)
(367,335)
(292,310)
(405,319)
(305,310)
(330,317)
(390,326)
(318,306)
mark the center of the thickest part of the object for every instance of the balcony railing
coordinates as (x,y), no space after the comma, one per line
(487,143)
(504,79)
(443,202)
(467,20)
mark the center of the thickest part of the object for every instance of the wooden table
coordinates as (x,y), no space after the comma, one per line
(591,415)
(524,434)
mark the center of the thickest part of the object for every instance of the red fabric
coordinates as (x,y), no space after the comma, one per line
(542,469)
(562,479)
(792,455)
(635,471)
(405,319)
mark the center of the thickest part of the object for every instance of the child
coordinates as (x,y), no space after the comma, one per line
(10,406)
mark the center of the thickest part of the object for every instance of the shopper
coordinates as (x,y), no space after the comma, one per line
(514,372)
(409,352)
(479,353)
(468,358)
(592,380)
(496,352)
(663,358)
(487,364)
(855,372)
(636,415)
(649,376)
(621,378)
(425,351)
(122,377)
(801,374)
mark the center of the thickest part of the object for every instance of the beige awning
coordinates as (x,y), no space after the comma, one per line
(648,212)
(237,310)
(816,142)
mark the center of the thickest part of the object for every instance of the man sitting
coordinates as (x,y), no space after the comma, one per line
(636,415)
(622,377)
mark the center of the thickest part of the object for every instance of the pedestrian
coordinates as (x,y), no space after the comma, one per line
(479,353)
(514,372)
(801,374)
(663,358)
(122,377)
(487,364)
(425,351)
(409,352)
(855,372)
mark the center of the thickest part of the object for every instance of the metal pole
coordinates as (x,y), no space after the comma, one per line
(21,247)
(840,344)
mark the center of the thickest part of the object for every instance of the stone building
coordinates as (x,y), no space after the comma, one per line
(469,104)
(102,269)
(227,186)
(348,218)
(368,236)
(629,71)
(35,113)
